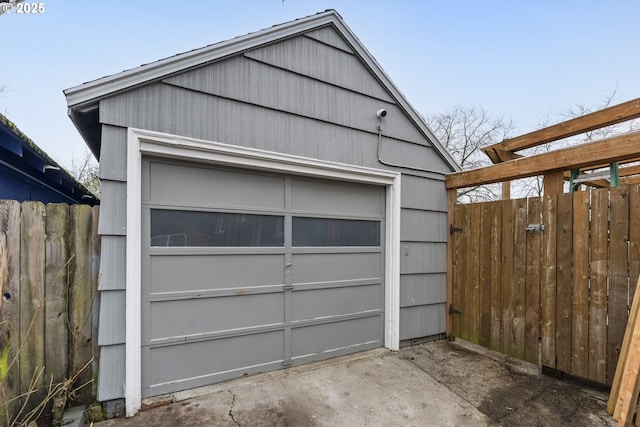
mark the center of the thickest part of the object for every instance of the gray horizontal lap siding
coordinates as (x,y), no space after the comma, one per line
(111,284)
(112,373)
(305,56)
(307,96)
(423,262)
(330,37)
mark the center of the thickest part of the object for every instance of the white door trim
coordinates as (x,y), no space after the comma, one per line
(141,142)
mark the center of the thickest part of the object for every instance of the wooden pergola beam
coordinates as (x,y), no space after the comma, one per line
(630,180)
(629,170)
(615,149)
(498,156)
(609,116)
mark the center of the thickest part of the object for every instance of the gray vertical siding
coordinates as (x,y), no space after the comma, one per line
(111,284)
(311,96)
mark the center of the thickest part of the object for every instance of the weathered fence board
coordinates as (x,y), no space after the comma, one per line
(634,236)
(532,282)
(496,276)
(31,300)
(508,212)
(9,312)
(56,257)
(80,292)
(48,277)
(598,285)
(618,276)
(563,282)
(580,286)
(548,283)
(473,301)
(485,264)
(563,286)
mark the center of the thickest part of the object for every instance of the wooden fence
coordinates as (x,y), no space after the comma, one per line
(549,278)
(49,258)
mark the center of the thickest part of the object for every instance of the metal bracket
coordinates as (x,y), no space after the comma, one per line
(288,362)
(614,172)
(573,185)
(535,228)
(287,287)
(453,310)
(453,229)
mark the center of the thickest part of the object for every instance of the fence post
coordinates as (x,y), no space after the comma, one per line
(452,195)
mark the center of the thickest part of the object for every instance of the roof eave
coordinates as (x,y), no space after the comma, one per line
(89,93)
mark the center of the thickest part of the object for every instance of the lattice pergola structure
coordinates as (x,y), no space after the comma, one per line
(580,164)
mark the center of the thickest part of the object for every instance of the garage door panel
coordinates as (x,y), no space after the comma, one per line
(238,278)
(317,303)
(181,184)
(337,197)
(328,267)
(173,273)
(327,337)
(204,315)
(196,359)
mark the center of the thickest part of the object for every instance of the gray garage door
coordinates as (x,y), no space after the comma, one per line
(247,272)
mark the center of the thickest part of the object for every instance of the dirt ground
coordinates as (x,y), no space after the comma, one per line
(509,391)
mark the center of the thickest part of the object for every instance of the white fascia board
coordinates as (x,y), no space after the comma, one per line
(90,92)
(142,142)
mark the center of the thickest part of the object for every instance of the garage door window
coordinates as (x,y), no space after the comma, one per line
(335,232)
(215,229)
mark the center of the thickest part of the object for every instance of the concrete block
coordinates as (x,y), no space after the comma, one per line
(73,417)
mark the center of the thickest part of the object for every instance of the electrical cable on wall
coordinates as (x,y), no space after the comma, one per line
(381,114)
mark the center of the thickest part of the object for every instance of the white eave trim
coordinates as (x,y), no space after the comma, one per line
(90,92)
(142,142)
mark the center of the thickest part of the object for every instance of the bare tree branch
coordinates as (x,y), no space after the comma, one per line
(464,131)
(85,171)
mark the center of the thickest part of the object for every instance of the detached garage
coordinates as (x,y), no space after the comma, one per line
(267,201)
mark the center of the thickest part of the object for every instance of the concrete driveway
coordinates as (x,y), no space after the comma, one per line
(438,383)
(374,388)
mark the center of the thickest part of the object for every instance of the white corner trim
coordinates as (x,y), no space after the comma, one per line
(142,142)
(133,309)
(392,267)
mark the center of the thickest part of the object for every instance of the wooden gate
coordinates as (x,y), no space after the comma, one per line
(548,279)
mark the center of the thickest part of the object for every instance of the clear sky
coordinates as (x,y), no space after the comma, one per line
(521,60)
